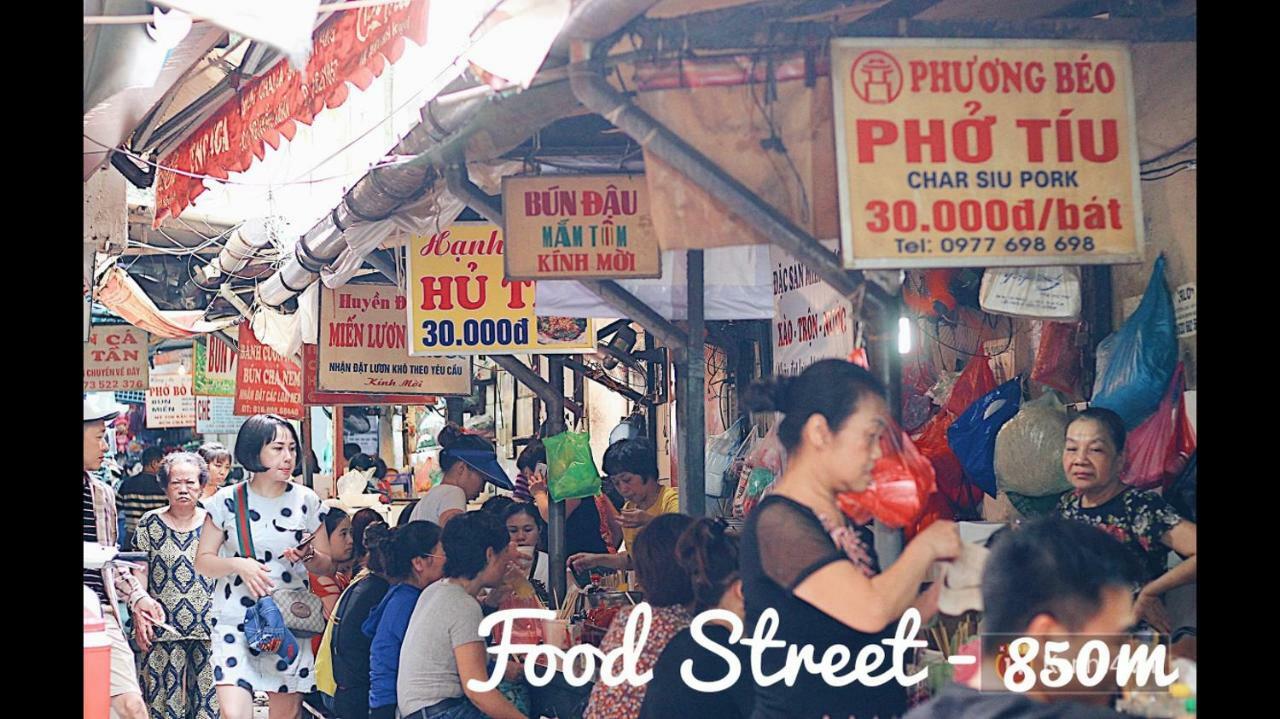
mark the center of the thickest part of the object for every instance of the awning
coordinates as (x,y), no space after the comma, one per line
(118,292)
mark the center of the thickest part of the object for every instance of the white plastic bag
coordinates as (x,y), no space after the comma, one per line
(1051,293)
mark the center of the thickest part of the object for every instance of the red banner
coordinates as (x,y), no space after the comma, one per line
(352,46)
(266,383)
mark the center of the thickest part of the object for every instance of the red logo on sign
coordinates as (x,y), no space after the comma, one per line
(876,77)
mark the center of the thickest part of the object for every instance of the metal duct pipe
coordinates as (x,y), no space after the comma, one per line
(374,198)
(597,19)
(242,246)
(448,128)
(599,96)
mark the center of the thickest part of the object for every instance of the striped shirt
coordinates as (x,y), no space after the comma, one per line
(137,496)
(92,577)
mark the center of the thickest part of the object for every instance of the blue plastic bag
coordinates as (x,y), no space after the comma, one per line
(1140,356)
(973,435)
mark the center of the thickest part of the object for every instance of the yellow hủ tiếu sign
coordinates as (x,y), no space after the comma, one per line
(460,302)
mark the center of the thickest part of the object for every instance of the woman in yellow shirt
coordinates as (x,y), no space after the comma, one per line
(633,466)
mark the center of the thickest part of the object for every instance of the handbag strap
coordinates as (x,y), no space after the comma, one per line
(244,530)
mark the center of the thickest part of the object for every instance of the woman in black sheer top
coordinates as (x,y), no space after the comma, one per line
(802,558)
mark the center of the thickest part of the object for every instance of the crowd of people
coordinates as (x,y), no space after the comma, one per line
(402,605)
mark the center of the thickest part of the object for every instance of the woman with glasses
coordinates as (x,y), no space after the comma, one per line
(411,558)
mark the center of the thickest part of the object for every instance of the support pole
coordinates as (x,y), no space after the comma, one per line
(692,385)
(307,478)
(555,510)
(635,309)
(552,394)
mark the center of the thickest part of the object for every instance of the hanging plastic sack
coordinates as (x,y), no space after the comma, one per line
(901,481)
(571,471)
(964,498)
(940,392)
(973,435)
(976,381)
(1028,457)
(916,406)
(1033,507)
(720,453)
(758,483)
(859,357)
(935,507)
(1157,450)
(1058,358)
(1143,354)
(769,452)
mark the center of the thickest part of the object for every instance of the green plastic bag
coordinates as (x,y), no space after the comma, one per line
(571,471)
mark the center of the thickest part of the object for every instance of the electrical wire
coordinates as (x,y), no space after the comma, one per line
(1169,153)
(145,19)
(1168,171)
(230,181)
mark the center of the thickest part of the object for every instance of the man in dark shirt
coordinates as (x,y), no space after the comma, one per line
(141,494)
(1050,577)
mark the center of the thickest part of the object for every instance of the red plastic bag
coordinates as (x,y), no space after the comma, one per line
(1158,449)
(859,357)
(973,383)
(935,508)
(963,496)
(1058,358)
(902,480)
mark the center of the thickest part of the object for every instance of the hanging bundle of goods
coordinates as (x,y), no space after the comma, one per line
(901,482)
(1028,456)
(1136,362)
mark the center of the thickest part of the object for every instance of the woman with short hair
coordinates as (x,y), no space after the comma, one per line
(277,519)
(177,676)
(411,559)
(668,589)
(443,649)
(1094,462)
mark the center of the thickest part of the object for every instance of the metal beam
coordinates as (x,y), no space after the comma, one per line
(599,96)
(556,515)
(750,33)
(635,309)
(386,268)
(691,383)
(604,380)
(460,184)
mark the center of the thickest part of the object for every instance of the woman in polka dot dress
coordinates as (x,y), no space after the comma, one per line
(281,514)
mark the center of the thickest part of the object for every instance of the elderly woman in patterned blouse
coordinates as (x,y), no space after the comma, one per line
(177,676)
(1093,460)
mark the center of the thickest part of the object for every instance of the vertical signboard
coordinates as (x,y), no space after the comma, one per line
(215,367)
(266,383)
(169,401)
(963,153)
(811,321)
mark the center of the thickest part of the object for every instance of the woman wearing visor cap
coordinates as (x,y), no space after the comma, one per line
(468,461)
